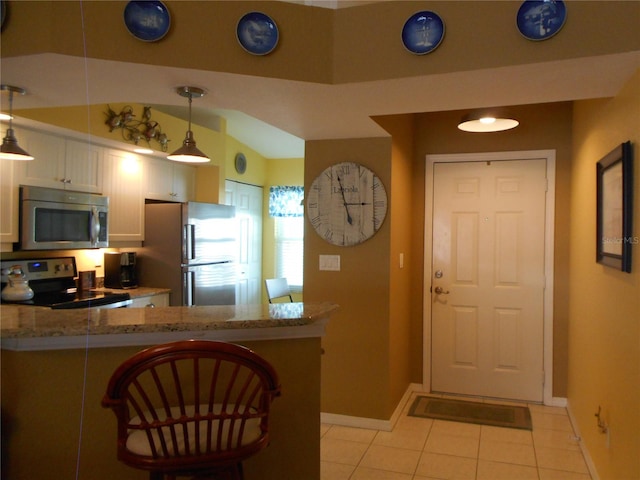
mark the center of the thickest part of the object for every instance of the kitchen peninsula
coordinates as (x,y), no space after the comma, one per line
(56,365)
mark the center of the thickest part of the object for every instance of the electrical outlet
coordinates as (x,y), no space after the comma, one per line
(329,263)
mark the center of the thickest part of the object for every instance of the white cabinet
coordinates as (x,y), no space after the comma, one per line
(10,172)
(61,163)
(123,183)
(160,300)
(170,181)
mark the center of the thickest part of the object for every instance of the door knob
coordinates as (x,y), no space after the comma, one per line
(440,291)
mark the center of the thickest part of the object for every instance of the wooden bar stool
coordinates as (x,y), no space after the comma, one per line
(192,408)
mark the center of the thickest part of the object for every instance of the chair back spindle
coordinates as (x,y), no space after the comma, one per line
(192,407)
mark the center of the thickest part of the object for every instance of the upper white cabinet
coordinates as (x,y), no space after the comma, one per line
(61,163)
(166,180)
(123,183)
(10,171)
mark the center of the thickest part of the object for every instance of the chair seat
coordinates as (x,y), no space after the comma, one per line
(220,438)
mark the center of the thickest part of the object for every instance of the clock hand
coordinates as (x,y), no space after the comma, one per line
(344,200)
(358,203)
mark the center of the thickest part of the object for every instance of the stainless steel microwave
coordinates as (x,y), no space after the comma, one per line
(53,219)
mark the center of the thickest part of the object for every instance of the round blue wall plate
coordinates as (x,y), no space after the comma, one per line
(541,19)
(257,33)
(148,21)
(423,32)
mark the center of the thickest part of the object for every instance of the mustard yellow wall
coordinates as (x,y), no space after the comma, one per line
(404,347)
(285,171)
(604,305)
(547,126)
(257,165)
(356,363)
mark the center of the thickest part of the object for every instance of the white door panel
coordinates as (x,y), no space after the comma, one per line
(488,245)
(248,202)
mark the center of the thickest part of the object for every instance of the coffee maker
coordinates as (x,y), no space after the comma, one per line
(120,270)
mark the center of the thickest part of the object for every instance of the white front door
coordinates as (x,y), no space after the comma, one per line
(248,202)
(488,278)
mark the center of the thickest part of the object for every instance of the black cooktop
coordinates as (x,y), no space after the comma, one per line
(53,283)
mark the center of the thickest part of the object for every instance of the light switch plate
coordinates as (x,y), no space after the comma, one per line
(330,262)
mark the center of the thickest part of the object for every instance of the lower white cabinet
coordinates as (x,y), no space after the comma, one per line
(160,300)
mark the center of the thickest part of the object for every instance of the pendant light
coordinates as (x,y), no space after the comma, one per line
(10,149)
(188,152)
(487,121)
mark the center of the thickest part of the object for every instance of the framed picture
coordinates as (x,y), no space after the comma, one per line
(614,208)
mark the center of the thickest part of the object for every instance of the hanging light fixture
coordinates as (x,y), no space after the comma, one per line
(188,151)
(487,121)
(10,149)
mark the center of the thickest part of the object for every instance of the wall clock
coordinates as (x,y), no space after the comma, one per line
(240,163)
(347,204)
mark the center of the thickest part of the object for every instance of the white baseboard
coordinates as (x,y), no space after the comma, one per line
(372,423)
(583,448)
(556,402)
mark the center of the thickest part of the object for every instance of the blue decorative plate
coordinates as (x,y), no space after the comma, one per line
(423,32)
(148,21)
(257,33)
(541,19)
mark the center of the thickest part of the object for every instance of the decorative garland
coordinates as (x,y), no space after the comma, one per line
(135,130)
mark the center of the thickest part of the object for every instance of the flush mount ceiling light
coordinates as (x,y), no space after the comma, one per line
(481,122)
(188,152)
(10,149)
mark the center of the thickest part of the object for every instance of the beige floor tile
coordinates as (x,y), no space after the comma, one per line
(561,459)
(413,423)
(402,438)
(452,445)
(352,434)
(507,452)
(364,473)
(324,428)
(551,421)
(391,459)
(546,409)
(335,471)
(511,435)
(546,474)
(543,437)
(505,471)
(456,428)
(342,451)
(433,465)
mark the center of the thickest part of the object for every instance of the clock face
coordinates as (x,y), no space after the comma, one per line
(346,204)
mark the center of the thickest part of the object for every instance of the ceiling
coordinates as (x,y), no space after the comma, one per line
(275,116)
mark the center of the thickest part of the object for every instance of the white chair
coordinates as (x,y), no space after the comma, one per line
(277,288)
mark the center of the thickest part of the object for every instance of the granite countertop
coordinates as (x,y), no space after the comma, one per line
(38,328)
(136,292)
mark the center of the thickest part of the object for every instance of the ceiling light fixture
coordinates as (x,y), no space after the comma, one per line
(188,152)
(481,122)
(10,149)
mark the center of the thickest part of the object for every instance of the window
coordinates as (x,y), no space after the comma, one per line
(285,205)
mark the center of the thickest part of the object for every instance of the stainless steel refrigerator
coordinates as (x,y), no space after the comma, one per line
(192,249)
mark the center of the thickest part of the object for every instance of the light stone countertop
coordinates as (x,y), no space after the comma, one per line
(39,328)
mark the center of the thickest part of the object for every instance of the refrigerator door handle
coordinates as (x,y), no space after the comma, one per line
(189,242)
(188,288)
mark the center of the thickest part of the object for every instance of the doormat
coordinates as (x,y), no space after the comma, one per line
(472,412)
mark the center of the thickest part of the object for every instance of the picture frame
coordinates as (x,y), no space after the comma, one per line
(614,189)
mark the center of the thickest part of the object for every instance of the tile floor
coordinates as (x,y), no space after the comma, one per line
(425,449)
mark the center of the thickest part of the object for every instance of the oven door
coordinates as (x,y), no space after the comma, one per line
(56,226)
